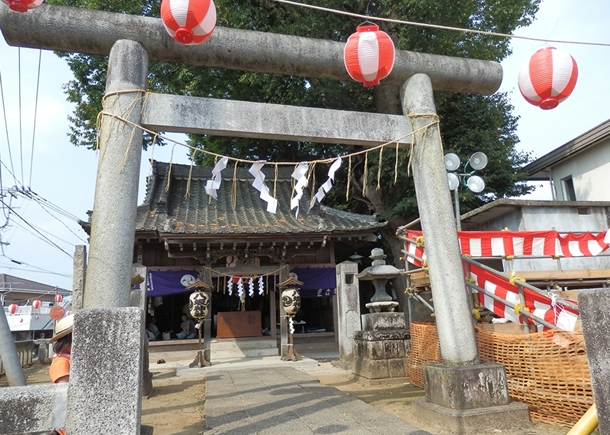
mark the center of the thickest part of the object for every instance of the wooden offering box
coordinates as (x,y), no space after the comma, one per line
(236,324)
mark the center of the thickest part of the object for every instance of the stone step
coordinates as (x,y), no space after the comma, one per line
(224,345)
(221,349)
(244,353)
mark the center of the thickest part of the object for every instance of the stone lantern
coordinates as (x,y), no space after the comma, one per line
(379,273)
(384,342)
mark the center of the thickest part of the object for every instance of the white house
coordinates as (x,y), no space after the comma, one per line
(17,296)
(578,170)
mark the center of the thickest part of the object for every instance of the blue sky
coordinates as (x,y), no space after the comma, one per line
(65,175)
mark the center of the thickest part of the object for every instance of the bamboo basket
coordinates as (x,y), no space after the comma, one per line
(548,371)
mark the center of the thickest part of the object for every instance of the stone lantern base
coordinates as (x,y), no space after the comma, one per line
(381,349)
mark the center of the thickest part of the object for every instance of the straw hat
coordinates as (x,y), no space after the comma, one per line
(63,327)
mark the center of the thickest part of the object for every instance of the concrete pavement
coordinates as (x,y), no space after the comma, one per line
(265,395)
(284,400)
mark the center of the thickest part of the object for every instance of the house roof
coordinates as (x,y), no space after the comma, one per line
(536,169)
(16,288)
(500,207)
(176,212)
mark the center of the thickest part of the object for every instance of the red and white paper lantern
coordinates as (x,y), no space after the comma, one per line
(12,308)
(68,312)
(369,55)
(22,5)
(59,298)
(189,22)
(36,303)
(548,77)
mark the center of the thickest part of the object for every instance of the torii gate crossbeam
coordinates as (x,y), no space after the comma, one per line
(89,31)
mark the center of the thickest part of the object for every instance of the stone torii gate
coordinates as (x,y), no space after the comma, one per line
(131,41)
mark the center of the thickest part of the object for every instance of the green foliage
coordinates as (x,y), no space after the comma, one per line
(468,122)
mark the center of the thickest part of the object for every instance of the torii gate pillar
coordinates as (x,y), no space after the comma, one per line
(461,392)
(115,348)
(113,222)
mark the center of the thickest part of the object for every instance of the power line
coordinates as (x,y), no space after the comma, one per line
(29,193)
(28,266)
(31,226)
(43,231)
(35,116)
(20,111)
(61,222)
(438,26)
(8,141)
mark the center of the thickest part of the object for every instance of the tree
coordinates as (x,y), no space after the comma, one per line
(468,122)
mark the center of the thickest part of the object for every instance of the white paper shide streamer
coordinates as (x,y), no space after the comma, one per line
(325,188)
(251,287)
(212,186)
(259,184)
(299,174)
(240,288)
(261,286)
(230,286)
(291,325)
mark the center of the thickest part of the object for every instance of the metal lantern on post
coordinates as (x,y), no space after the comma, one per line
(199,308)
(369,55)
(291,304)
(548,77)
(189,22)
(22,5)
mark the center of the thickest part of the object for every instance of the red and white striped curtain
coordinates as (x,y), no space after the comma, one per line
(540,306)
(518,243)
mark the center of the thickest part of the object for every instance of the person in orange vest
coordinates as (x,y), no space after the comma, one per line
(62,347)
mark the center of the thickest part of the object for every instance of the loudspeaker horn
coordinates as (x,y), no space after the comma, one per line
(454,180)
(452,161)
(475,183)
(478,160)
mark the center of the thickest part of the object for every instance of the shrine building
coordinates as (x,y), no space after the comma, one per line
(242,250)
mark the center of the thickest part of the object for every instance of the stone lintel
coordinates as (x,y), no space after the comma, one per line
(383,321)
(466,387)
(515,415)
(195,115)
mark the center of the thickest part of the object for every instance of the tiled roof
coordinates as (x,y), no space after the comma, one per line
(174,211)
